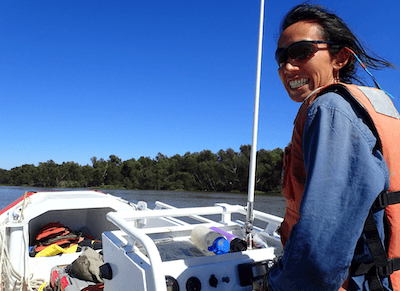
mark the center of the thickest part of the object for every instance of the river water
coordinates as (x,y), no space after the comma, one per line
(270,204)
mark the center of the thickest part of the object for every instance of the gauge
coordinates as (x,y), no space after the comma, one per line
(193,284)
(172,284)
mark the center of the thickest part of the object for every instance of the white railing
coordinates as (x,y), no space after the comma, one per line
(224,209)
(123,220)
(148,244)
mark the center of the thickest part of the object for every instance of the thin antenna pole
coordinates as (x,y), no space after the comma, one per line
(253,154)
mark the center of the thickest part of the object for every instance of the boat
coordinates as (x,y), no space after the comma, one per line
(142,248)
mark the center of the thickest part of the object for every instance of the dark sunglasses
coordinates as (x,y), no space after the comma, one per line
(298,51)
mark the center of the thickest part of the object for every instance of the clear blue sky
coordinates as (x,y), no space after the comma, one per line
(134,78)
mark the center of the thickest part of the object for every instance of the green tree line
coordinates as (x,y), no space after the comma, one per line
(226,171)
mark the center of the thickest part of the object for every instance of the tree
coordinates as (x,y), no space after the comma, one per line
(269,170)
(161,172)
(243,167)
(25,175)
(178,178)
(205,171)
(100,171)
(130,171)
(113,169)
(147,178)
(5,176)
(87,176)
(228,170)
(71,175)
(49,174)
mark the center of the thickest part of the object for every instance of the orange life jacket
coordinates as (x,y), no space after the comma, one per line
(55,233)
(52,230)
(386,120)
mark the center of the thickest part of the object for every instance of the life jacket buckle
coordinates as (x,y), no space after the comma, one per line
(382,200)
(387,270)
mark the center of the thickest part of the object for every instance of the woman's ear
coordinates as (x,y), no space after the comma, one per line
(341,59)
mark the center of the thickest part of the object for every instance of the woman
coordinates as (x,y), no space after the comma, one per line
(341,157)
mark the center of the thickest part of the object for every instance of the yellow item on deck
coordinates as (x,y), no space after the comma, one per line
(54,249)
(41,288)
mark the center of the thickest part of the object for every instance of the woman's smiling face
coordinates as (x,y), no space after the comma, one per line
(301,77)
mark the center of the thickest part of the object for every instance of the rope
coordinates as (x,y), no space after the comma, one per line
(10,279)
(23,207)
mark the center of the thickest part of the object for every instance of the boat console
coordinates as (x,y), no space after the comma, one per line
(163,256)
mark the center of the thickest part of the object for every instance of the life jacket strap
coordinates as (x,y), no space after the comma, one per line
(393,265)
(385,199)
(381,266)
(376,248)
(384,271)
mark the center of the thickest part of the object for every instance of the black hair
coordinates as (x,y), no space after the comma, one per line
(335,30)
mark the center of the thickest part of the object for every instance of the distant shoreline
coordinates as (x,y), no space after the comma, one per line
(111,187)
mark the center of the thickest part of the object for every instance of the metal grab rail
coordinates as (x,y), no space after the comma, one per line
(273,221)
(220,208)
(224,209)
(148,244)
(161,205)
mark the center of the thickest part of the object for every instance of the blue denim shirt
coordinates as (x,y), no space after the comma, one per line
(344,176)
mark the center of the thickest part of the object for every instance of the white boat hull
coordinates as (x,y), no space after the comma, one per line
(143,247)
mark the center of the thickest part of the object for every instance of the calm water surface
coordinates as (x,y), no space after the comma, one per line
(270,204)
